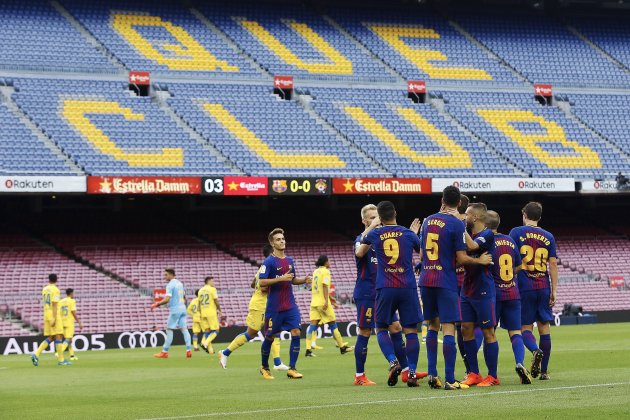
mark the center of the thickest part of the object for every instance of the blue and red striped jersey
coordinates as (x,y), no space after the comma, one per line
(536,246)
(442,236)
(479,281)
(365,287)
(506,258)
(394,246)
(280,295)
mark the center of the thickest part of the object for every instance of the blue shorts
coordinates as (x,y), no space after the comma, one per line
(405,301)
(276,322)
(365,313)
(438,302)
(479,311)
(508,312)
(535,306)
(176,321)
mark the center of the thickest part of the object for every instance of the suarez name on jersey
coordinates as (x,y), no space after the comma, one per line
(279,295)
(394,246)
(506,257)
(536,246)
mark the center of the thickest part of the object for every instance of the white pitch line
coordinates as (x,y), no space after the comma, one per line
(456,394)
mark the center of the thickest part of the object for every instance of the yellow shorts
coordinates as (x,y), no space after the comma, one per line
(68,332)
(209,323)
(197,327)
(50,330)
(323,316)
(256,320)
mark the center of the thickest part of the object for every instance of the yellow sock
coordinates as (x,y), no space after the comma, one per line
(60,346)
(238,342)
(211,338)
(337,336)
(275,348)
(424,330)
(314,338)
(42,347)
(70,348)
(195,340)
(204,340)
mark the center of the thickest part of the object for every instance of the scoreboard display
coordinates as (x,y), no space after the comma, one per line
(300,186)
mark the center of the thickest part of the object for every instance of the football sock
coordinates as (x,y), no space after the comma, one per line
(491,356)
(530,341)
(471,355)
(59,348)
(399,349)
(449,350)
(204,340)
(186,338)
(460,346)
(545,346)
(295,351)
(169,340)
(264,352)
(195,339)
(518,348)
(360,353)
(275,352)
(309,335)
(314,336)
(42,347)
(386,345)
(68,346)
(337,334)
(412,346)
(213,334)
(478,337)
(432,344)
(238,341)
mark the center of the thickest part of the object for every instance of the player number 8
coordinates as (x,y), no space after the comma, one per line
(506,268)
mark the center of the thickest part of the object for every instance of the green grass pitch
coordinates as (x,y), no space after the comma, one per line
(590,371)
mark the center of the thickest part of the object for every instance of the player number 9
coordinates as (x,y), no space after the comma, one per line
(506,268)
(391,249)
(432,246)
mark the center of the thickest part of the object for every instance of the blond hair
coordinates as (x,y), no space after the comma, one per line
(367,208)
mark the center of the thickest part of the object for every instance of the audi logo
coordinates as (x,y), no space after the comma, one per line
(141,339)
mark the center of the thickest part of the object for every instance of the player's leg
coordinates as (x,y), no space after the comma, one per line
(383,318)
(448,303)
(328,317)
(60,347)
(408,305)
(195,337)
(272,323)
(544,318)
(205,326)
(396,334)
(365,324)
(431,314)
(183,327)
(68,334)
(312,328)
(487,313)
(509,314)
(214,331)
(529,307)
(468,317)
(291,322)
(171,324)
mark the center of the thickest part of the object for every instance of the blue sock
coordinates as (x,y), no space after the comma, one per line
(478,337)
(67,341)
(545,346)
(460,340)
(530,341)
(265,349)
(399,349)
(449,350)
(491,356)
(277,361)
(432,344)
(187,338)
(360,353)
(413,351)
(295,351)
(518,348)
(48,341)
(169,340)
(195,337)
(386,345)
(471,355)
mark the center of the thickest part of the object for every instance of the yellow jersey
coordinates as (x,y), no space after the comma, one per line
(68,305)
(258,302)
(50,294)
(321,277)
(207,295)
(194,311)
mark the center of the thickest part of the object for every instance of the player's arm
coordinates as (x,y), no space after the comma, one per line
(76,318)
(54,311)
(253,285)
(307,279)
(465,259)
(471,245)
(325,293)
(216,302)
(363,249)
(163,302)
(553,273)
(268,282)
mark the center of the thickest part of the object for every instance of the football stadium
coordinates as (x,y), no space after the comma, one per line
(310,208)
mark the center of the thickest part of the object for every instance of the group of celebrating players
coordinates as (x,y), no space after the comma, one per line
(468,281)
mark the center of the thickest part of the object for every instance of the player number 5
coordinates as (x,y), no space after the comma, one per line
(432,246)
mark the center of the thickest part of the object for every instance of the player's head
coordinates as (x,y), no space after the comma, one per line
(276,239)
(70,292)
(451,196)
(532,212)
(197,292)
(386,211)
(267,250)
(169,274)
(322,261)
(464,201)
(52,278)
(368,213)
(476,214)
(209,281)
(493,220)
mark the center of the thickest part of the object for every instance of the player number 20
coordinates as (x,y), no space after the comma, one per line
(540,258)
(506,268)
(432,246)
(391,249)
